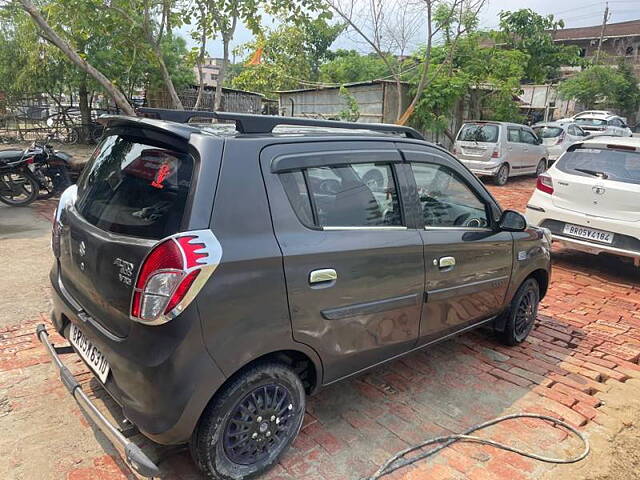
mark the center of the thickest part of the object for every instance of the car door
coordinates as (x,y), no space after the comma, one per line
(533,152)
(354,271)
(615,127)
(515,149)
(468,261)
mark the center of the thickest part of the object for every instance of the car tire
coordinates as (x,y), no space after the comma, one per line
(542,166)
(250,423)
(502,175)
(522,313)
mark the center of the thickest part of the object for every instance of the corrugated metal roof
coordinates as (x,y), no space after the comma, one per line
(612,30)
(354,84)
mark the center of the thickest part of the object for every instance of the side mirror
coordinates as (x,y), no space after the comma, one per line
(512,221)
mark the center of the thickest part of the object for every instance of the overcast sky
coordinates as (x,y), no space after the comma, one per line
(575,13)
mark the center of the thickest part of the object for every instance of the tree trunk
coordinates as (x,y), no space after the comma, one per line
(203,48)
(85,112)
(117,96)
(166,78)
(226,39)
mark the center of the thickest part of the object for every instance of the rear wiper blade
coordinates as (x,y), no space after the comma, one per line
(595,173)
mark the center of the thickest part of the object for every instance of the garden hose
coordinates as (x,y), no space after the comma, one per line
(397,461)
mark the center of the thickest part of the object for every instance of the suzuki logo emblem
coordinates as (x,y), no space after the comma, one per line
(598,190)
(82,249)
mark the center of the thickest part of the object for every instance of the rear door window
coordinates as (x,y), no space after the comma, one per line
(514,135)
(357,195)
(135,186)
(486,133)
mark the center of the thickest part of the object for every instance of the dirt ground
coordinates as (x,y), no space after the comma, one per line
(579,364)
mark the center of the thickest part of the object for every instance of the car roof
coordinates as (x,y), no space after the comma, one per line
(589,113)
(552,124)
(596,115)
(607,141)
(491,122)
(178,123)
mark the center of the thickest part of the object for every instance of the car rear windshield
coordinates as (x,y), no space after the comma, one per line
(548,132)
(591,122)
(135,185)
(473,132)
(617,165)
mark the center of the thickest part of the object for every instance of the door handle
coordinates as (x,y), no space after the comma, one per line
(446,263)
(323,275)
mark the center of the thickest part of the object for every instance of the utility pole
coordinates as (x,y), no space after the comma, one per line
(605,19)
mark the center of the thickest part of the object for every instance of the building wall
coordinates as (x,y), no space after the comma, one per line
(613,50)
(374,103)
(210,71)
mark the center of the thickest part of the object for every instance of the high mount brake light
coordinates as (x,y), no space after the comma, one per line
(545,184)
(172,274)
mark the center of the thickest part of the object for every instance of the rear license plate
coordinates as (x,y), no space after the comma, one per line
(588,233)
(89,353)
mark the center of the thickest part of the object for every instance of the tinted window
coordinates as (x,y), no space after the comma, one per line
(359,195)
(571,130)
(295,186)
(446,200)
(615,122)
(549,132)
(479,133)
(528,137)
(514,135)
(135,187)
(615,165)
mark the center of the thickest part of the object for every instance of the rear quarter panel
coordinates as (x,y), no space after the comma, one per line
(243,307)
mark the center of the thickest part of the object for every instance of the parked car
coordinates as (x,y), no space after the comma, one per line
(557,137)
(210,281)
(589,198)
(500,150)
(600,122)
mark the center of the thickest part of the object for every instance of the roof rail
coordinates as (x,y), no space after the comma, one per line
(249,123)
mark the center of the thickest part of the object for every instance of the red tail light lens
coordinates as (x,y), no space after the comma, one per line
(545,184)
(560,139)
(168,275)
(496,153)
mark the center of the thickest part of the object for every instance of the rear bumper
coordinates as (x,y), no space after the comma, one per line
(596,249)
(135,457)
(541,212)
(482,167)
(162,376)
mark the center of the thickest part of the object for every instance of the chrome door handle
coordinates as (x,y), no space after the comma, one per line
(323,275)
(446,262)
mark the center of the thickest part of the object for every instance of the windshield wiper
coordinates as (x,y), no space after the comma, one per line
(595,173)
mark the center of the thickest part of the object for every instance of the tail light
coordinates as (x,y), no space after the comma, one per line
(545,184)
(495,153)
(172,274)
(560,139)
(455,150)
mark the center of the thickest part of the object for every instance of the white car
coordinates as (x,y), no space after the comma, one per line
(600,122)
(590,198)
(557,137)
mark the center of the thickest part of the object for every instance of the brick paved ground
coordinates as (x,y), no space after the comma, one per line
(587,338)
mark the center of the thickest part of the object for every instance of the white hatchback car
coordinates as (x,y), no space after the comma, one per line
(590,198)
(557,137)
(600,122)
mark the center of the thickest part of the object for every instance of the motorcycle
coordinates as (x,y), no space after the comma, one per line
(50,167)
(18,185)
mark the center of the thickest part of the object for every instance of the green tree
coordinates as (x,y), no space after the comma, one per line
(291,57)
(605,86)
(348,66)
(488,77)
(531,33)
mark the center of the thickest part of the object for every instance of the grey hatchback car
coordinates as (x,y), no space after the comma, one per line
(211,277)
